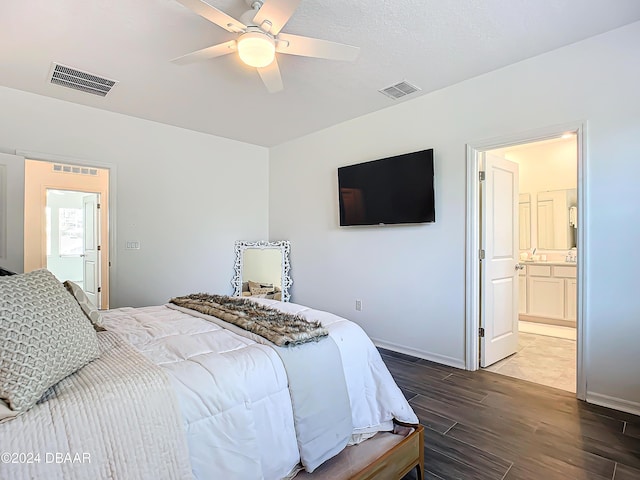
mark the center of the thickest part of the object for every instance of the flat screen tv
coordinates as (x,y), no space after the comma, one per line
(391,190)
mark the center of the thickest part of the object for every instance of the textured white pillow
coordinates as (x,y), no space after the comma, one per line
(44,336)
(87,307)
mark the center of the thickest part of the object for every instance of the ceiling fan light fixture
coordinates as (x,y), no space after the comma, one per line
(256,49)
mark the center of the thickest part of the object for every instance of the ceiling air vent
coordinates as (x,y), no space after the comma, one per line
(79,80)
(399,90)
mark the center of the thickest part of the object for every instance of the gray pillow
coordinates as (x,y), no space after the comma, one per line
(44,336)
(87,307)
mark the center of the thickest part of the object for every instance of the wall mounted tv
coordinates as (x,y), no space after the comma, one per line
(388,191)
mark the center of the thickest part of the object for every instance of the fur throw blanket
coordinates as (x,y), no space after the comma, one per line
(283,329)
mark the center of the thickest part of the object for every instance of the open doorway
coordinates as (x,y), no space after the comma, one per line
(500,270)
(547,268)
(72,230)
(66,213)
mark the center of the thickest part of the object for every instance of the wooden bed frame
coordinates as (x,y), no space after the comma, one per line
(386,456)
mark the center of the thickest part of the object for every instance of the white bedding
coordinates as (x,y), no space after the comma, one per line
(233,391)
(117,418)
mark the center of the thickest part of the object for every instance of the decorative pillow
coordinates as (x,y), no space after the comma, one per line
(87,307)
(44,337)
(261,291)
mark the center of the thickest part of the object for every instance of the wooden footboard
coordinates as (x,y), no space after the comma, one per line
(398,461)
(386,456)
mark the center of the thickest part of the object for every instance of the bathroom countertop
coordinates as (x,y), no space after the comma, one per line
(550,262)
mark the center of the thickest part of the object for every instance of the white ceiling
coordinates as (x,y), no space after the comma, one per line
(430,43)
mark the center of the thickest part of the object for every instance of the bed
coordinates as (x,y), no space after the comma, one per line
(177,393)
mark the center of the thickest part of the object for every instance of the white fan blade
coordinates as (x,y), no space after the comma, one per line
(214,15)
(271,78)
(314,47)
(206,53)
(274,14)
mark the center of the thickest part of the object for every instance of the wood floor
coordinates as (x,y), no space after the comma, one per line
(485,426)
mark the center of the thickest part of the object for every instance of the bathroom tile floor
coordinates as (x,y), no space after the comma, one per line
(541,359)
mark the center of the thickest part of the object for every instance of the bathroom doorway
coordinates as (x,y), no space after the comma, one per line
(547,269)
(547,276)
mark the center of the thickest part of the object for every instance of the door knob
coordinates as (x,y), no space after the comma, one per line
(519,266)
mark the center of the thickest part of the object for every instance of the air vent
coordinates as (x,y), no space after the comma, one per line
(79,80)
(399,90)
(74,169)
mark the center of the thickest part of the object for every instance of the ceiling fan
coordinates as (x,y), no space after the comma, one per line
(259,38)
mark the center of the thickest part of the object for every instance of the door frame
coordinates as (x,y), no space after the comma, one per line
(472,251)
(112,263)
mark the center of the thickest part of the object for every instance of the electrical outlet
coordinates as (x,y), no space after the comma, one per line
(359,305)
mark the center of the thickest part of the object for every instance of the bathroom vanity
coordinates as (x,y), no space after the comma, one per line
(548,293)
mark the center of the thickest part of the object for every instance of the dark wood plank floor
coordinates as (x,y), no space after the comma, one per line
(485,426)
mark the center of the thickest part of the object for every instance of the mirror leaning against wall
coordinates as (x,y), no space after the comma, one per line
(262,270)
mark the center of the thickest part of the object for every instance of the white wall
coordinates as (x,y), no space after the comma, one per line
(546,166)
(411,279)
(185,196)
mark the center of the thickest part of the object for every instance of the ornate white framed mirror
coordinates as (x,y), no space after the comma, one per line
(262,270)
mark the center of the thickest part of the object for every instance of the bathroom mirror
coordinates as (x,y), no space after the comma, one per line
(524,218)
(262,270)
(556,230)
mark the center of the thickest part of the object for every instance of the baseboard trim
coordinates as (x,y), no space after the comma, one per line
(613,402)
(433,357)
(548,321)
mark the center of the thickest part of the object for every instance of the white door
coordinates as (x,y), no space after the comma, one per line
(91,254)
(499,269)
(12,212)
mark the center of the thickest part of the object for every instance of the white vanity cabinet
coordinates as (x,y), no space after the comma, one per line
(550,294)
(522,289)
(546,292)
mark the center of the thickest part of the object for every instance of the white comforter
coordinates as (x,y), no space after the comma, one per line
(233,391)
